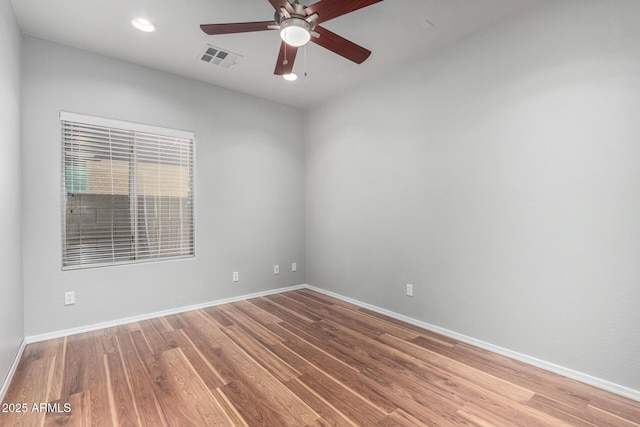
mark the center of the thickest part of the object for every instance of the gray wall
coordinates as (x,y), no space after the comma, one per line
(249,189)
(501,178)
(11,302)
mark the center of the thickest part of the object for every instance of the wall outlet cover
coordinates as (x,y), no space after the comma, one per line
(69,298)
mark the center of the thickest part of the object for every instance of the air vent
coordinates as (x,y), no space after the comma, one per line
(219,57)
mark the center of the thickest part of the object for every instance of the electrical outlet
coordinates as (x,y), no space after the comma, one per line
(236,276)
(294,266)
(409,290)
(276,269)
(69,298)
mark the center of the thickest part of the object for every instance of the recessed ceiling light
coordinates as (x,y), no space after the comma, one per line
(143,25)
(290,77)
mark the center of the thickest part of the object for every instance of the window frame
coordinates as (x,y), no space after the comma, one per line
(136,129)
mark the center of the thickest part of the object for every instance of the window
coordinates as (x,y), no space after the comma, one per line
(127,192)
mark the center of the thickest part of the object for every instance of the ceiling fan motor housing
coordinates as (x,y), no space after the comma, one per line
(295,22)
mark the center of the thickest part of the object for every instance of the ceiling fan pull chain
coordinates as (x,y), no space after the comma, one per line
(285,62)
(305,61)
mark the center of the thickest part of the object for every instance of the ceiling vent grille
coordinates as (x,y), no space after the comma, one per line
(219,57)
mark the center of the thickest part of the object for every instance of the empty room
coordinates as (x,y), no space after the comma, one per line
(320,213)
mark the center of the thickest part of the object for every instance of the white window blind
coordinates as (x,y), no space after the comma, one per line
(127,192)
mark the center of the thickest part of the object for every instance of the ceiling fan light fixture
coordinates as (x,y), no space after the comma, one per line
(143,25)
(295,31)
(290,77)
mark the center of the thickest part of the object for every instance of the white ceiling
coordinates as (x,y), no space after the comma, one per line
(398,32)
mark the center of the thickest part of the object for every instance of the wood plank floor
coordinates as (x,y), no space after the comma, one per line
(294,359)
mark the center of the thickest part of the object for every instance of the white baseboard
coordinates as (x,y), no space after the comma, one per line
(124,321)
(12,370)
(561,370)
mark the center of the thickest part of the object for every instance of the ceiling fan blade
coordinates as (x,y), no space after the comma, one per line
(329,9)
(242,27)
(281,67)
(277,4)
(340,45)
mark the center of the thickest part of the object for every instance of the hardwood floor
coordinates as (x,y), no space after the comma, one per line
(294,359)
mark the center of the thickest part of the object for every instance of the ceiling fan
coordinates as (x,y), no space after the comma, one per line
(299,24)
